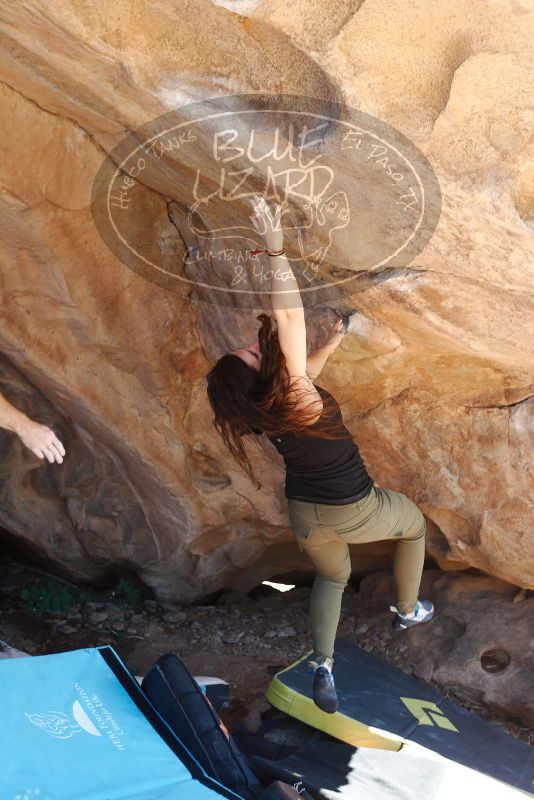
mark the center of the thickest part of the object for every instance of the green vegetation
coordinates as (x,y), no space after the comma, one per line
(126,595)
(48,596)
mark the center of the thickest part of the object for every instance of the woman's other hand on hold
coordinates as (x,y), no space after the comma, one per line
(267,222)
(336,335)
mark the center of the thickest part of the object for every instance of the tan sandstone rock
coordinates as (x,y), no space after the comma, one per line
(479,644)
(435,375)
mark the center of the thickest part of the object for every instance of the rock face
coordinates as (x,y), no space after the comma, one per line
(435,374)
(478,644)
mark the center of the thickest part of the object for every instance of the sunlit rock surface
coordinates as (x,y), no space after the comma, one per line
(435,375)
(476,645)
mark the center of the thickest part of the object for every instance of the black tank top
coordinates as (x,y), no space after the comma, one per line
(323,470)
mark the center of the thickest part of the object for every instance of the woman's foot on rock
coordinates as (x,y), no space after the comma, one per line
(423,612)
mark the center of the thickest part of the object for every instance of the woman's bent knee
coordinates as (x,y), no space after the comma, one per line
(418,527)
(329,583)
(340,575)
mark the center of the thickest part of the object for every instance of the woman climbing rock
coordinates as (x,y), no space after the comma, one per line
(268,388)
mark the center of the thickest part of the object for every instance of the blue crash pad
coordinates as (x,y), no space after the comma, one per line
(77,725)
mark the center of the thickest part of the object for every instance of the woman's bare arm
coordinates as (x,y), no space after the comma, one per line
(316,362)
(291,324)
(318,359)
(287,308)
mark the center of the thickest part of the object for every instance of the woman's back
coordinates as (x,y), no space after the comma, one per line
(321,470)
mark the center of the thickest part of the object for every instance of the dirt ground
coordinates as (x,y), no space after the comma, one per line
(242,639)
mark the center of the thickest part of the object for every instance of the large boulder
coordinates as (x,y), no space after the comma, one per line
(479,645)
(435,374)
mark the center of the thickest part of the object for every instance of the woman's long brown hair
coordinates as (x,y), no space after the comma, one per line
(245,400)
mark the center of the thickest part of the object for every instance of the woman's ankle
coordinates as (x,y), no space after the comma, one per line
(321,660)
(406,610)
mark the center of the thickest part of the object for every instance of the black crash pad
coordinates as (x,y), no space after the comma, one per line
(382,707)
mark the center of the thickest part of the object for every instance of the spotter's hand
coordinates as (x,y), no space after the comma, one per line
(42,441)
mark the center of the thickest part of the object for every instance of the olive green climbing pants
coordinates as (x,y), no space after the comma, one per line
(324,533)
